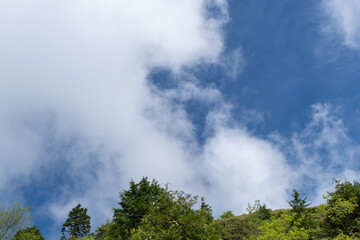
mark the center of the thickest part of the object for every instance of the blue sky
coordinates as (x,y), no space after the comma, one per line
(232,100)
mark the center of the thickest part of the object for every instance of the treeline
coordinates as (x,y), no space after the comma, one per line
(148,211)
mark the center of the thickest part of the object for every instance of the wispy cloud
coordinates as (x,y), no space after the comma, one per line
(343,20)
(233,63)
(322,151)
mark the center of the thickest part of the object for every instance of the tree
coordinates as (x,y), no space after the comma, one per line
(298,205)
(343,209)
(134,204)
(282,228)
(301,214)
(174,218)
(103,231)
(227,214)
(257,214)
(12,219)
(78,223)
(259,211)
(29,233)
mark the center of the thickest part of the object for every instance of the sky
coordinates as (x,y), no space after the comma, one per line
(235,101)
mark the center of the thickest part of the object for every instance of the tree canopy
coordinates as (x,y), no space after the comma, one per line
(13,218)
(29,233)
(298,205)
(174,217)
(343,216)
(134,204)
(78,223)
(149,211)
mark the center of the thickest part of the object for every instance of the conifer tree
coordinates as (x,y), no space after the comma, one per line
(301,214)
(298,204)
(134,204)
(77,225)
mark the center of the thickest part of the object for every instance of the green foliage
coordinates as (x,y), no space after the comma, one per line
(234,227)
(13,219)
(282,228)
(174,217)
(77,225)
(227,214)
(134,204)
(103,231)
(148,211)
(298,205)
(87,238)
(259,211)
(257,214)
(299,209)
(343,214)
(29,233)
(342,236)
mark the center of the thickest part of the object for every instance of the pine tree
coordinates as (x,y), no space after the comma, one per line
(78,223)
(301,214)
(298,205)
(134,204)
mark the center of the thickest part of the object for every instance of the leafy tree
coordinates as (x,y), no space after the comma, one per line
(283,228)
(78,223)
(174,217)
(257,214)
(29,233)
(12,219)
(235,227)
(259,211)
(343,209)
(227,214)
(134,203)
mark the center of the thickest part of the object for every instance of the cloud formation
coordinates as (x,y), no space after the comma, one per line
(75,95)
(80,115)
(343,20)
(323,151)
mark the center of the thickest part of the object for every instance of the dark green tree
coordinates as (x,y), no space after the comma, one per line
(298,205)
(300,211)
(134,204)
(29,233)
(78,223)
(103,231)
(259,211)
(174,217)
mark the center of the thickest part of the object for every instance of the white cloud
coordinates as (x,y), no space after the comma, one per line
(343,19)
(322,151)
(74,97)
(244,168)
(84,65)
